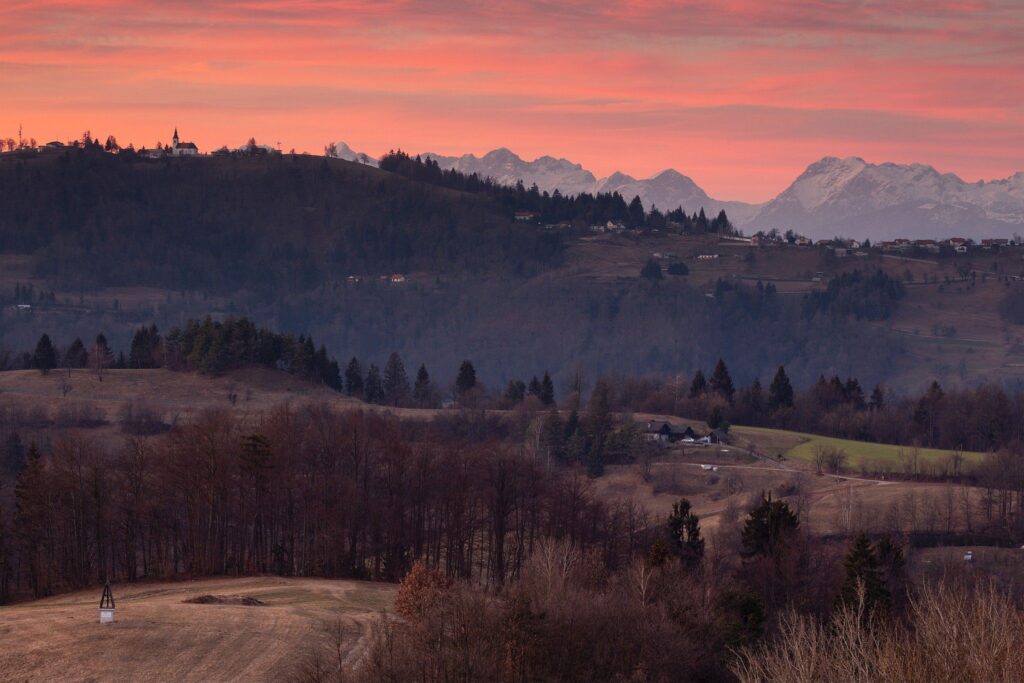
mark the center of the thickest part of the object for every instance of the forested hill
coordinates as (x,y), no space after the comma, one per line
(248,222)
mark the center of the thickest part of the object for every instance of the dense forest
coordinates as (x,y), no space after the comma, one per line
(581,210)
(267,223)
(296,243)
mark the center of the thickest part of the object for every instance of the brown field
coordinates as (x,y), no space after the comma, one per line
(826,503)
(174,396)
(157,637)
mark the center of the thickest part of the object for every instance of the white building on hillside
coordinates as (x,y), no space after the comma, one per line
(182,149)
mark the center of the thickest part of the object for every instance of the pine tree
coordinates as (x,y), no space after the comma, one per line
(863,579)
(721,382)
(768,528)
(780,392)
(636,213)
(396,382)
(515,392)
(76,356)
(354,378)
(534,387)
(45,357)
(877,401)
(755,399)
(547,390)
(373,387)
(423,390)
(699,385)
(684,532)
(466,379)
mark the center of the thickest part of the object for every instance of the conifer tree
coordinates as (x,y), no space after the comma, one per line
(684,531)
(373,388)
(699,385)
(547,390)
(396,382)
(721,382)
(76,356)
(863,579)
(466,379)
(877,401)
(423,389)
(354,378)
(780,392)
(45,357)
(768,528)
(515,392)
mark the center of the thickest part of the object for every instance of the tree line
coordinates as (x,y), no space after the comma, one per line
(298,492)
(584,209)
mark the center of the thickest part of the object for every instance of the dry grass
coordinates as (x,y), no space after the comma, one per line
(158,637)
(954,634)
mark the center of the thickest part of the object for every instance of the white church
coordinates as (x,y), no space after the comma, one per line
(182,149)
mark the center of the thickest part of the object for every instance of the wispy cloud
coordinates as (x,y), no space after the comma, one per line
(741,94)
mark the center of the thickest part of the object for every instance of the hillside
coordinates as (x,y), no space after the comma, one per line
(266,224)
(159,637)
(298,244)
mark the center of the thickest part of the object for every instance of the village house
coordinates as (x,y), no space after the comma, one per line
(663,432)
(525,216)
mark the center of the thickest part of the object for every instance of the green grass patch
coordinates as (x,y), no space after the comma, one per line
(801,446)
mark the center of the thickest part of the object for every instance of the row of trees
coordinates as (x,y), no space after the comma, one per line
(300,492)
(584,209)
(686,610)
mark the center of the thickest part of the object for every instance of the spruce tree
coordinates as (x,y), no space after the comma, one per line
(396,382)
(45,357)
(373,387)
(76,356)
(684,531)
(699,385)
(863,578)
(354,378)
(780,392)
(515,392)
(721,382)
(877,401)
(466,379)
(547,390)
(423,390)
(768,528)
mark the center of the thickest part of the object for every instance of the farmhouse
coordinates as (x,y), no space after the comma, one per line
(663,432)
(525,216)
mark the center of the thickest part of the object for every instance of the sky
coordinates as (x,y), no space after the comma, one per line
(741,95)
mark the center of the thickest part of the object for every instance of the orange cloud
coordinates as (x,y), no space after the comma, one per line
(739,94)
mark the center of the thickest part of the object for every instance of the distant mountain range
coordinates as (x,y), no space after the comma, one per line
(833,196)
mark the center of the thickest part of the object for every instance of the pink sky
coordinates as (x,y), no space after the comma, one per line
(740,95)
